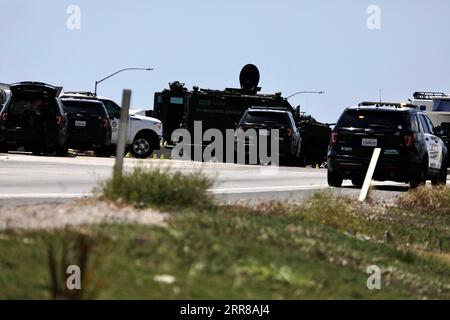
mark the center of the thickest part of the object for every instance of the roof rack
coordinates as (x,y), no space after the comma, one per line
(84,93)
(428,95)
(387,104)
(278,108)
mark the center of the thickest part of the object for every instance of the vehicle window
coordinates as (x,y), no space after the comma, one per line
(430,124)
(425,126)
(373,119)
(264,117)
(441,105)
(112,108)
(414,123)
(83,107)
(292,122)
(29,112)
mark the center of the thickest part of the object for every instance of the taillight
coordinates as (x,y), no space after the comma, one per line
(289,132)
(410,139)
(105,123)
(4,116)
(334,137)
(59,120)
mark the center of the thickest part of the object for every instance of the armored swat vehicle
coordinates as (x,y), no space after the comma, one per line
(177,107)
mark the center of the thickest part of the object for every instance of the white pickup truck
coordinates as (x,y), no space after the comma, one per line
(144,133)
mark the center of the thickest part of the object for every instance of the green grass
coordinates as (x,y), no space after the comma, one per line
(319,249)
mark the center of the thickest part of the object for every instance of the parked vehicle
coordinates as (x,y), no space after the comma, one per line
(89,126)
(33,118)
(5,93)
(144,133)
(412,152)
(178,107)
(437,107)
(263,121)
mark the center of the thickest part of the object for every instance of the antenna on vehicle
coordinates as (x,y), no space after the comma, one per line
(380,97)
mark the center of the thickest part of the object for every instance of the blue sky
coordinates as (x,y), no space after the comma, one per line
(297,45)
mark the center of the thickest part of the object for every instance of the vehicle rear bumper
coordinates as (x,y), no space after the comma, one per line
(84,141)
(284,148)
(395,169)
(32,138)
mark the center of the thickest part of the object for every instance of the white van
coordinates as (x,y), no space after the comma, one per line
(435,104)
(437,107)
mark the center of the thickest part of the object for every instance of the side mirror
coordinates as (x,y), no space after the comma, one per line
(438,131)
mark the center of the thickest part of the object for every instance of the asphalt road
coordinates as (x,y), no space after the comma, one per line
(29,179)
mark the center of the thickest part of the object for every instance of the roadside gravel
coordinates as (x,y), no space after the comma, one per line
(74,213)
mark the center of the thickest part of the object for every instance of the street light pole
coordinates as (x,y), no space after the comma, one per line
(301,92)
(113,74)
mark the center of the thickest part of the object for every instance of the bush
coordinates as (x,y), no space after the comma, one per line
(427,200)
(160,188)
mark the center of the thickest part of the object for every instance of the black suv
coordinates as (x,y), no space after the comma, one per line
(33,118)
(411,150)
(263,120)
(89,126)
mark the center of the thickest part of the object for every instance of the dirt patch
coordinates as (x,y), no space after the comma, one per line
(79,212)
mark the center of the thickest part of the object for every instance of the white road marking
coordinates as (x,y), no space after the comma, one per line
(213,191)
(43,195)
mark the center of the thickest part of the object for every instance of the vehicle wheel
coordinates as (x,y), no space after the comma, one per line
(103,152)
(61,151)
(3,148)
(421,178)
(36,151)
(286,161)
(301,160)
(142,147)
(334,179)
(358,181)
(441,179)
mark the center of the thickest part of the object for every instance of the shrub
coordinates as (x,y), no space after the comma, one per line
(427,200)
(160,188)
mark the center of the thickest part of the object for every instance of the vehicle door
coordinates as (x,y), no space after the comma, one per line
(434,144)
(295,136)
(114,115)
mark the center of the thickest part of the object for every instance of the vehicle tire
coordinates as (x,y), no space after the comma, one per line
(142,146)
(3,148)
(62,151)
(103,152)
(286,161)
(358,181)
(421,177)
(334,179)
(36,151)
(112,150)
(441,179)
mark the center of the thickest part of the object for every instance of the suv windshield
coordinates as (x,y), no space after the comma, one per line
(373,119)
(84,107)
(268,118)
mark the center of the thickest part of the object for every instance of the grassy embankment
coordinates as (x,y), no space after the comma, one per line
(318,249)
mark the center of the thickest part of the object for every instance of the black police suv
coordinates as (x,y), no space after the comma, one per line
(89,126)
(263,120)
(412,152)
(33,118)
